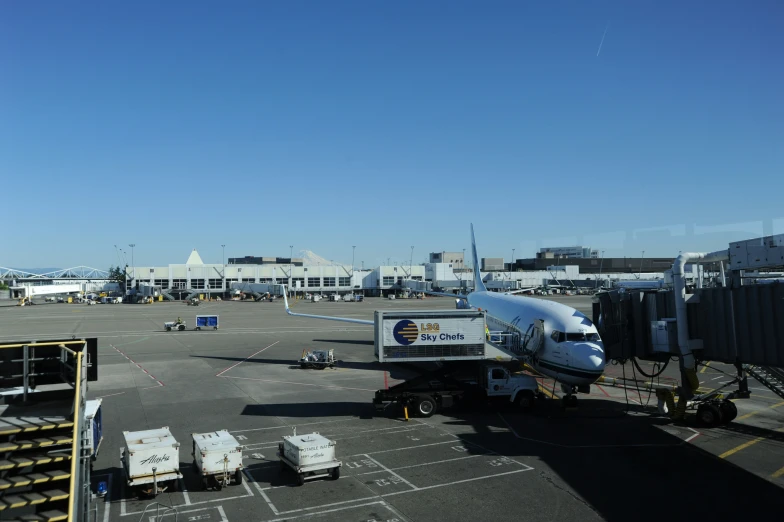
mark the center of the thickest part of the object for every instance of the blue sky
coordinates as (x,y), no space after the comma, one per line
(178,125)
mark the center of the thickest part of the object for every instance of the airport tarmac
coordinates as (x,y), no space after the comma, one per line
(611,459)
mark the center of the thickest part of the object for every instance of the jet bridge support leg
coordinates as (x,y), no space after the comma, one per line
(743,384)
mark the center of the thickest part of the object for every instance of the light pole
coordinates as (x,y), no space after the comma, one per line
(463,259)
(411,263)
(133,277)
(351,279)
(641,258)
(511,264)
(291,267)
(223,260)
(600,270)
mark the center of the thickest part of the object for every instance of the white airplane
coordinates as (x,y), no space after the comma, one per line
(567,346)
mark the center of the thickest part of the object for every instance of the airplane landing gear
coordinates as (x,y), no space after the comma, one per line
(569,402)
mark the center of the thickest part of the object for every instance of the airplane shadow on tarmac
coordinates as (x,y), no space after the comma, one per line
(623,466)
(394,372)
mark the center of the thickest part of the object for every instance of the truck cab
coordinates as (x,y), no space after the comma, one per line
(521,389)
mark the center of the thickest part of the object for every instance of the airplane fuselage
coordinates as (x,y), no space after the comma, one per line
(571,350)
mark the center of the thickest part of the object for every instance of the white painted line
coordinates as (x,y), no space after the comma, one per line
(424,464)
(328,505)
(696,434)
(184,491)
(110,395)
(327,511)
(334,434)
(327,386)
(249,476)
(401,449)
(247,488)
(172,513)
(192,504)
(245,359)
(392,472)
(287,426)
(222,514)
(457,482)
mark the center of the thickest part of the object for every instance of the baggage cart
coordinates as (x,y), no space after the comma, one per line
(206,321)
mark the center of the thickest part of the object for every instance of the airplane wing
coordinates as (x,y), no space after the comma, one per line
(521,290)
(327,317)
(445,294)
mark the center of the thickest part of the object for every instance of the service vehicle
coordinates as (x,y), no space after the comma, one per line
(310,456)
(206,321)
(318,359)
(151,461)
(217,458)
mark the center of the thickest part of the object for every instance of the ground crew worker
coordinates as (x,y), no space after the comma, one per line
(487,332)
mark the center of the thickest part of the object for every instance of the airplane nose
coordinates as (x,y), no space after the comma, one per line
(590,356)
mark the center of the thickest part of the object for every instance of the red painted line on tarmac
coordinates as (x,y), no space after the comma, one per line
(140,367)
(603,390)
(386,381)
(245,359)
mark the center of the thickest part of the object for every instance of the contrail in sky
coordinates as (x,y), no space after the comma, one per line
(605,34)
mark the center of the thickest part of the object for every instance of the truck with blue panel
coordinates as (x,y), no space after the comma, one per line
(206,321)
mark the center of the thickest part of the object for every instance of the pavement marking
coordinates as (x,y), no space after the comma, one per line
(135,342)
(245,359)
(107,498)
(401,429)
(172,513)
(140,367)
(333,510)
(110,395)
(778,473)
(401,449)
(328,386)
(287,426)
(184,491)
(413,487)
(421,464)
(458,482)
(741,447)
(755,412)
(696,434)
(704,367)
(603,390)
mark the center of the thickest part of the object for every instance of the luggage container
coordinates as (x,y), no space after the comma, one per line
(217,458)
(206,321)
(151,461)
(94,419)
(311,456)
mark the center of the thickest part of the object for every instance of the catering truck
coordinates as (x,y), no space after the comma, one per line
(466,369)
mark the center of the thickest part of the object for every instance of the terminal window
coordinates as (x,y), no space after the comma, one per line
(215,283)
(329,281)
(197,284)
(163,283)
(295,280)
(248,279)
(179,283)
(389,280)
(314,281)
(344,281)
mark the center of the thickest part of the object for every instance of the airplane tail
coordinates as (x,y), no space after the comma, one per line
(479,285)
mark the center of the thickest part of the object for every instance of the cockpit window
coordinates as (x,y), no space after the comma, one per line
(557,336)
(581,336)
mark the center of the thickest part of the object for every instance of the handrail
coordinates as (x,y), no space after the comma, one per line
(45,343)
(75,460)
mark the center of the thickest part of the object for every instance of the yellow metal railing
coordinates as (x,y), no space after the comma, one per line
(45,343)
(75,460)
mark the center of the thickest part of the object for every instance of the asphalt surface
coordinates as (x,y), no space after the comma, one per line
(612,459)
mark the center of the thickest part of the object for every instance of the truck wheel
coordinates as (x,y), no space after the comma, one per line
(238,476)
(729,411)
(181,327)
(198,328)
(709,415)
(168,328)
(301,479)
(335,473)
(218,484)
(426,406)
(525,400)
(173,485)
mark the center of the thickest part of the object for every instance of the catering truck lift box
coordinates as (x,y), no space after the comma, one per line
(217,458)
(310,456)
(430,335)
(151,460)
